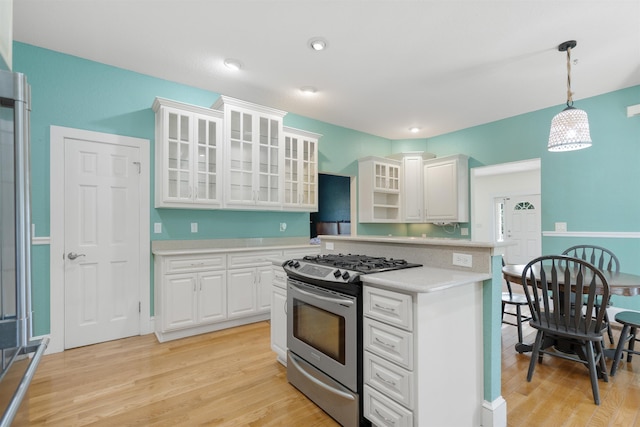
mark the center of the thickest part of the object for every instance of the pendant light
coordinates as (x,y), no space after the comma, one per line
(570,127)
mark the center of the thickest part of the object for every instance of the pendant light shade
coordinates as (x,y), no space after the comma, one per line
(569,130)
(570,127)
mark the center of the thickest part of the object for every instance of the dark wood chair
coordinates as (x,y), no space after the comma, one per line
(518,301)
(630,321)
(605,260)
(561,292)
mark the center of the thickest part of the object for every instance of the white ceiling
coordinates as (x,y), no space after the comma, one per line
(439,65)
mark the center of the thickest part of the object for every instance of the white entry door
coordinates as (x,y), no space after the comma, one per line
(101,241)
(523,217)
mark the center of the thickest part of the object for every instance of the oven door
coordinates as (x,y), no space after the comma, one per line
(322,329)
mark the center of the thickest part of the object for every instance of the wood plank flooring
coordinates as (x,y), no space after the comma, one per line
(231,378)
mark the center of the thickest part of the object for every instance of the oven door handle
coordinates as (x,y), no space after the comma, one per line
(342,301)
(320,383)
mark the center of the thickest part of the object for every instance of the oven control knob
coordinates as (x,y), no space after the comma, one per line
(345,275)
(336,274)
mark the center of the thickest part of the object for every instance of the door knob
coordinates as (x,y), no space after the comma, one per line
(72,255)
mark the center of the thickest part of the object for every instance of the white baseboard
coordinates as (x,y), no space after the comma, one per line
(494,414)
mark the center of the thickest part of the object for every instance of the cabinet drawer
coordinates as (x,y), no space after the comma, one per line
(251,258)
(391,343)
(388,378)
(180,264)
(279,277)
(390,307)
(382,411)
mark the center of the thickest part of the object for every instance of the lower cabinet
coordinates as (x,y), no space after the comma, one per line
(416,364)
(249,291)
(278,291)
(279,314)
(193,299)
(203,292)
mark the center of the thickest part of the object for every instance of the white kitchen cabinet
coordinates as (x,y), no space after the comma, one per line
(192,291)
(279,302)
(408,381)
(300,170)
(446,189)
(188,156)
(379,190)
(253,156)
(279,314)
(412,185)
(249,277)
(249,290)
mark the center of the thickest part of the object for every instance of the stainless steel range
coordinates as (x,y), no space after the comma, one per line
(324,329)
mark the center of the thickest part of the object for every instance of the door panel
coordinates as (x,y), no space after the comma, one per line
(523,227)
(101,228)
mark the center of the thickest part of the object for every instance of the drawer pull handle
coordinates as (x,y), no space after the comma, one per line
(384,380)
(383,308)
(386,344)
(385,419)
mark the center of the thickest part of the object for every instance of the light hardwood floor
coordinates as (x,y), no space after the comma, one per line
(231,378)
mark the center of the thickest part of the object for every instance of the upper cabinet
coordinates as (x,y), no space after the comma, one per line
(300,170)
(379,189)
(253,155)
(188,155)
(446,189)
(412,185)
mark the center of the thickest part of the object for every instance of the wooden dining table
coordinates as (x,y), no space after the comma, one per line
(623,284)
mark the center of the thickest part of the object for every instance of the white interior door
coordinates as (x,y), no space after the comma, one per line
(523,217)
(101,242)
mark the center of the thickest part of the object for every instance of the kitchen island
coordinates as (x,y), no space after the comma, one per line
(431,334)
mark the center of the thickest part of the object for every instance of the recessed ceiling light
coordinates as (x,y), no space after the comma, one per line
(308,90)
(318,43)
(232,64)
(414,129)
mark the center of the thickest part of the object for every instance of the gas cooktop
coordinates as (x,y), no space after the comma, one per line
(361,263)
(341,268)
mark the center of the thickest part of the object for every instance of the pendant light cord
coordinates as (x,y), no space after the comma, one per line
(569,94)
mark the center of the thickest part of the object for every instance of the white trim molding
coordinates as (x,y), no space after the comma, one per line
(46,240)
(597,234)
(494,414)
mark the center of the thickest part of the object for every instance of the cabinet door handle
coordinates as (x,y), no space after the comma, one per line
(386,344)
(383,308)
(384,380)
(386,420)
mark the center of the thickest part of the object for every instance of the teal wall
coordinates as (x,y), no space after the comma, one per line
(591,190)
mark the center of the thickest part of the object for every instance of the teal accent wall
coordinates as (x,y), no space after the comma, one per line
(591,190)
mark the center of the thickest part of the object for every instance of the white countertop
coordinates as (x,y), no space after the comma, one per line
(423,279)
(430,241)
(185,247)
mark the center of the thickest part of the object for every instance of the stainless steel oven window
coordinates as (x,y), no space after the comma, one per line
(320,329)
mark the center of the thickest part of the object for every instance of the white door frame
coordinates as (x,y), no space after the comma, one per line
(58,135)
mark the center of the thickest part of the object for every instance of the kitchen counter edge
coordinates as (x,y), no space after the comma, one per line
(423,279)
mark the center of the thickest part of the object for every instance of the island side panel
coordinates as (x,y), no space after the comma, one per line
(449,356)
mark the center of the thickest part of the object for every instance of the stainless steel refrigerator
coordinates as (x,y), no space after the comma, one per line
(19,353)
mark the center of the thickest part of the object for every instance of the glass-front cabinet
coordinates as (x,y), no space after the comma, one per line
(379,189)
(253,138)
(188,155)
(300,170)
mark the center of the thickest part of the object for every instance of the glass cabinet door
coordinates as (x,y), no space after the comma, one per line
(241,157)
(290,170)
(268,172)
(179,155)
(208,146)
(309,172)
